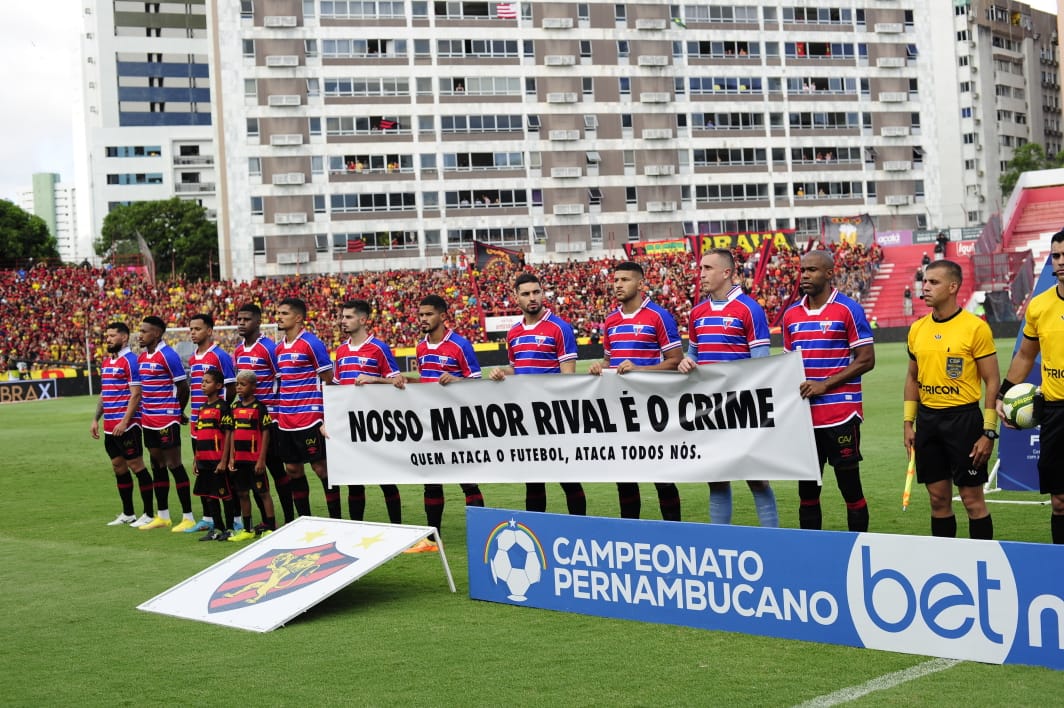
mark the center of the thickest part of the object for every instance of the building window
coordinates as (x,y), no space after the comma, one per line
(622,48)
(631,196)
(251,88)
(249,48)
(585,48)
(254,166)
(319,203)
(625,85)
(620,12)
(314,125)
(253,127)
(256,208)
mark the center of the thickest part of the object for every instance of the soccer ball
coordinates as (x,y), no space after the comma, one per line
(515,563)
(1018,405)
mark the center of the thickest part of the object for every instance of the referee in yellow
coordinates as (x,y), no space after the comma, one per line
(1043,332)
(951,352)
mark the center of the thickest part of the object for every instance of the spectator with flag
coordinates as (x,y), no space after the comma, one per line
(639,335)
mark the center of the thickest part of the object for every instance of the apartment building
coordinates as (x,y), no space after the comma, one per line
(54,201)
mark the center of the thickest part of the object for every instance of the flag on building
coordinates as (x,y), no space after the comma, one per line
(355,245)
(506,10)
(385,124)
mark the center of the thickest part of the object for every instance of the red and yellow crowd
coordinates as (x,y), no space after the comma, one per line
(49,314)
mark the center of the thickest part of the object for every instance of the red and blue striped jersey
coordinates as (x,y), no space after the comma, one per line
(726,330)
(299,399)
(117,375)
(642,337)
(372,357)
(214,358)
(160,371)
(261,358)
(453,354)
(542,347)
(826,339)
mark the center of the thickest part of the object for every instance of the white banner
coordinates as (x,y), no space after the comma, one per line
(739,420)
(281,575)
(502,323)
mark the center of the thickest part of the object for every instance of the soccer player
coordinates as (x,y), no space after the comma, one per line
(164,395)
(833,335)
(257,352)
(208,355)
(248,453)
(446,357)
(728,325)
(302,360)
(365,359)
(1043,334)
(541,343)
(951,356)
(639,335)
(119,407)
(212,440)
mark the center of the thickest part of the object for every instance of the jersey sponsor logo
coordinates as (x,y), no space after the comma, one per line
(1051,372)
(277,573)
(959,602)
(954,366)
(939,390)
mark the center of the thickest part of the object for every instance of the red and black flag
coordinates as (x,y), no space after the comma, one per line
(355,245)
(487,254)
(385,124)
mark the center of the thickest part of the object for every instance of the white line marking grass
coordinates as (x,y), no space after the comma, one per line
(880,683)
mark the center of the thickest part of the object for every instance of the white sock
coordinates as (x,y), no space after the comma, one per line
(164,514)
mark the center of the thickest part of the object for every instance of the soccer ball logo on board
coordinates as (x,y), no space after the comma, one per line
(516,558)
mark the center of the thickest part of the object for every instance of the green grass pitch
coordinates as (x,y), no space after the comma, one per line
(72,635)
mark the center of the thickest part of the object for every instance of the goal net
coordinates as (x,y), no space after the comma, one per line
(225,336)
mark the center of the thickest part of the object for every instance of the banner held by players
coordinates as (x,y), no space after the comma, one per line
(738,420)
(267,583)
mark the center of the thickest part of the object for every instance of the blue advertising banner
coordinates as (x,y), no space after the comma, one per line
(1018,450)
(956,598)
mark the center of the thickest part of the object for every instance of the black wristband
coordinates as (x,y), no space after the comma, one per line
(1005,386)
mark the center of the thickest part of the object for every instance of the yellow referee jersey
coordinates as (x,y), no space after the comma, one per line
(945,354)
(1045,322)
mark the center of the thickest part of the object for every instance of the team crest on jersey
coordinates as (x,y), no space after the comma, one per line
(540,339)
(824,327)
(954,366)
(277,573)
(637,329)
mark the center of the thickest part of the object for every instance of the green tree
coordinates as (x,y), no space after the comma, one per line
(23,235)
(1026,158)
(180,237)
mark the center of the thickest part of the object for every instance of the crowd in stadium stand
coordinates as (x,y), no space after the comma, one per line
(48,314)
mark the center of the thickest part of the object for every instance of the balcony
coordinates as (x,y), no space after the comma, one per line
(657,134)
(279,21)
(559,60)
(568,209)
(286,139)
(659,170)
(193,187)
(565,172)
(279,100)
(655,97)
(557,23)
(289,178)
(193,160)
(282,61)
(658,207)
(290,218)
(653,60)
(562,135)
(563,97)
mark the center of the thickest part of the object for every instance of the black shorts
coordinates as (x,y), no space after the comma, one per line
(944,440)
(273,448)
(164,439)
(1051,442)
(840,444)
(210,482)
(128,447)
(245,479)
(299,446)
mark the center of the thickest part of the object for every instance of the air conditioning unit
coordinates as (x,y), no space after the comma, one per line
(559,60)
(661,206)
(287,178)
(897,166)
(894,131)
(284,100)
(981,173)
(282,60)
(558,135)
(889,28)
(568,209)
(294,217)
(565,172)
(971,42)
(286,139)
(890,62)
(653,60)
(293,258)
(279,21)
(651,23)
(557,23)
(893,97)
(659,170)
(896,199)
(657,134)
(655,97)
(975,94)
(563,97)
(979,147)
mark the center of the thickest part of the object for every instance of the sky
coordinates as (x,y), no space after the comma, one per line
(40,48)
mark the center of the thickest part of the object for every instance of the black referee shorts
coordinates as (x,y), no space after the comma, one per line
(944,440)
(1051,442)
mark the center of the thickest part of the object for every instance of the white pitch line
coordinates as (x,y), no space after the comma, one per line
(880,683)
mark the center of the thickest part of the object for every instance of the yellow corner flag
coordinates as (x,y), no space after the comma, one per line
(910,472)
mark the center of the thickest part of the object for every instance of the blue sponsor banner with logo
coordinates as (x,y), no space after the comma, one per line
(977,600)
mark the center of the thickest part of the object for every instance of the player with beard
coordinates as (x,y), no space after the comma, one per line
(446,357)
(541,343)
(640,335)
(164,395)
(119,407)
(365,359)
(208,355)
(256,352)
(833,335)
(728,325)
(302,360)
